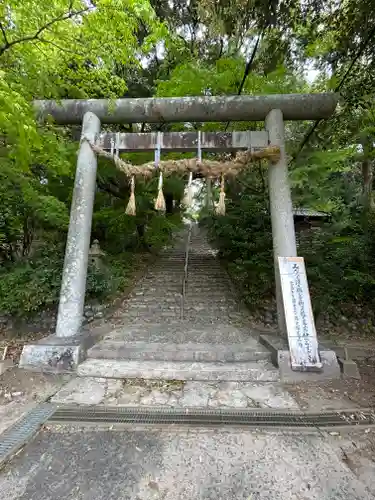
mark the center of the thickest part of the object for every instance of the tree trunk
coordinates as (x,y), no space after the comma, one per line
(367,175)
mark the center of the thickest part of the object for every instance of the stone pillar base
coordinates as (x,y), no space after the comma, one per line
(329,371)
(349,368)
(57,354)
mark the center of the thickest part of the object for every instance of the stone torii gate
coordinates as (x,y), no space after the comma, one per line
(67,347)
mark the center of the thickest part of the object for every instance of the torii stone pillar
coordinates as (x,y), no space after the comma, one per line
(66,353)
(73,287)
(283,233)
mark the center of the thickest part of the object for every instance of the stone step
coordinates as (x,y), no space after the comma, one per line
(163,279)
(182,332)
(154,306)
(206,280)
(159,289)
(151,316)
(160,351)
(174,301)
(216,301)
(164,370)
(145,297)
(208,267)
(146,321)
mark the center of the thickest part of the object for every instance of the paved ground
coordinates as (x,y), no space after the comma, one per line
(151,463)
(81,463)
(178,394)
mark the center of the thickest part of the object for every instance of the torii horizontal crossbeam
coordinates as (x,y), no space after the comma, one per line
(183,141)
(190,109)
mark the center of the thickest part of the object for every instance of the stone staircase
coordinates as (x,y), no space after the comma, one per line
(203,337)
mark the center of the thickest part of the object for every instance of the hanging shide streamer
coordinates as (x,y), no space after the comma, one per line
(130,209)
(160,201)
(220,207)
(188,199)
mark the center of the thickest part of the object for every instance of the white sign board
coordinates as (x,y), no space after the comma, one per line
(303,342)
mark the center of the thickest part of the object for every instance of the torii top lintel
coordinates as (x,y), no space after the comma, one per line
(190,109)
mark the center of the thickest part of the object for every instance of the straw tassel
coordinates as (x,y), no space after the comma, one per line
(160,201)
(188,199)
(130,209)
(220,207)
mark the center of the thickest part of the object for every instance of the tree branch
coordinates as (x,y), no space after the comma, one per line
(109,188)
(63,17)
(248,187)
(4,34)
(63,49)
(221,47)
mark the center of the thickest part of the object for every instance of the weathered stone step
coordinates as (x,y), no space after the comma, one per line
(158,351)
(182,332)
(150,316)
(207,280)
(154,306)
(164,274)
(163,279)
(152,289)
(125,318)
(237,372)
(199,278)
(205,311)
(162,305)
(216,299)
(198,297)
(168,296)
(205,263)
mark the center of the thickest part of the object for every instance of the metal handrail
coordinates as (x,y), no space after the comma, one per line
(185,275)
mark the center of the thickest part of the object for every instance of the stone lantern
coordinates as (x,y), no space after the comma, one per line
(96,254)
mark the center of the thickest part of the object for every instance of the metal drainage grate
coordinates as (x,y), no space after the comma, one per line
(12,440)
(194,416)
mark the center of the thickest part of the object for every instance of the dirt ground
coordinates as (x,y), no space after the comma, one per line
(338,394)
(21,390)
(356,449)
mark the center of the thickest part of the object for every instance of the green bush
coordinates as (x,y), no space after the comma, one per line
(244,241)
(340,264)
(33,285)
(339,257)
(160,229)
(29,286)
(116,231)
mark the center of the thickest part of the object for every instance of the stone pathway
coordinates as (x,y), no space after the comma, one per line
(205,337)
(177,394)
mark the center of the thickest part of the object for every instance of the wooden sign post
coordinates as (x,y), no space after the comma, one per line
(303,342)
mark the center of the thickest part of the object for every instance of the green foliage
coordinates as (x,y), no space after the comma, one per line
(34,283)
(160,230)
(340,265)
(119,48)
(223,77)
(243,237)
(29,286)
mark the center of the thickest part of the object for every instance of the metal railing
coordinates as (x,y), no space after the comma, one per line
(185,275)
